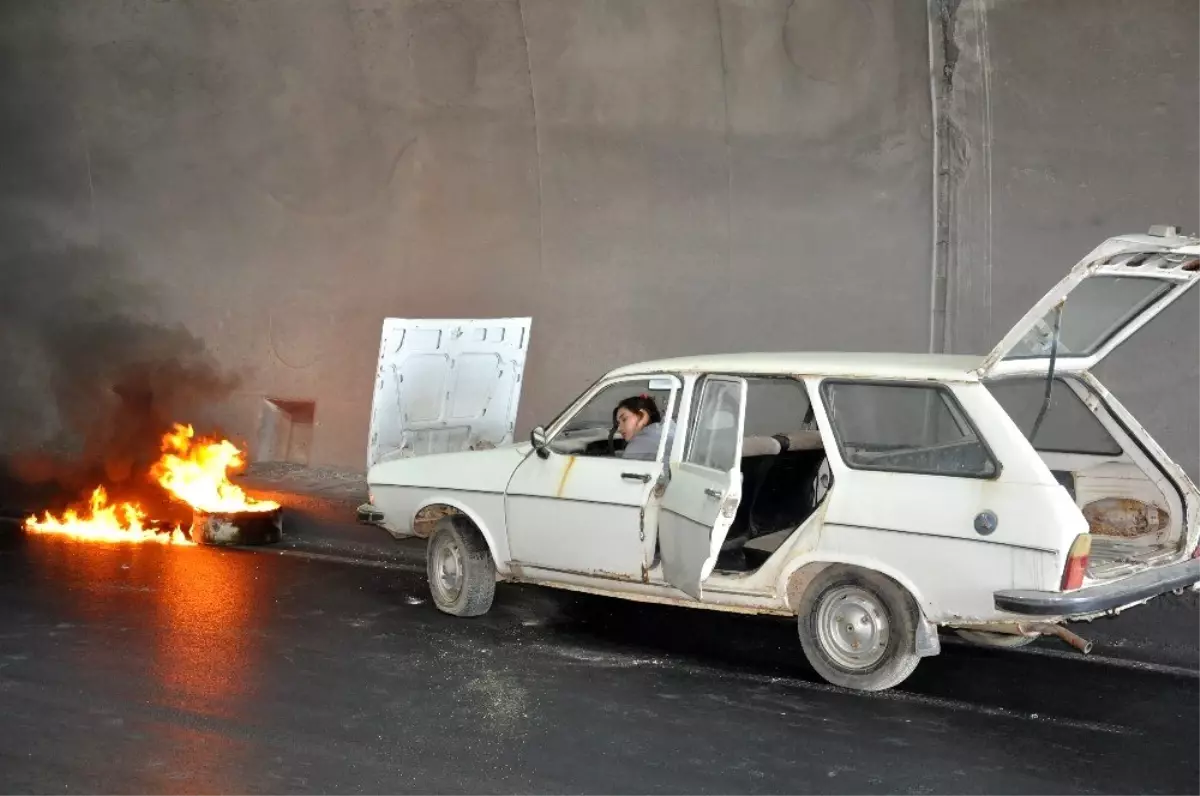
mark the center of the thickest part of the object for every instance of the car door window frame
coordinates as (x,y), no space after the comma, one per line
(698,388)
(585,399)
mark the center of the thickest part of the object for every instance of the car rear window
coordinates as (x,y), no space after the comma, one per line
(1098,308)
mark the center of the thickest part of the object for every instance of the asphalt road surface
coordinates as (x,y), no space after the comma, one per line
(186,670)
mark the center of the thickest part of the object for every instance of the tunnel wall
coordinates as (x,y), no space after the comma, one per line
(1073,121)
(644,179)
(1080,120)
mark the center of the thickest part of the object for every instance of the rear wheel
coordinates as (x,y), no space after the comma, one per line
(462,575)
(858,628)
(985,638)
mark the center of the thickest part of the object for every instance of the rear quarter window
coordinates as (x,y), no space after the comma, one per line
(1068,427)
(909,428)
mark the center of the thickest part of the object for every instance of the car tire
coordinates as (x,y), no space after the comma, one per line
(462,575)
(858,628)
(983,638)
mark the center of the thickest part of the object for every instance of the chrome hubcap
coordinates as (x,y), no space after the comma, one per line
(447,575)
(852,627)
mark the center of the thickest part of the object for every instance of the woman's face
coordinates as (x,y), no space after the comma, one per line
(630,423)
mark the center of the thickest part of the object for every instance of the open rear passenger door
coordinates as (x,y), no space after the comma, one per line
(701,500)
(1108,296)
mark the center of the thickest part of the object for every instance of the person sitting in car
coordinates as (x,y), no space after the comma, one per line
(639,423)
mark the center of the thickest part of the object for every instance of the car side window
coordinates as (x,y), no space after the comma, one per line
(913,428)
(1069,427)
(586,432)
(713,442)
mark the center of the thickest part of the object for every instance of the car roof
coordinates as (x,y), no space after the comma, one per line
(940,367)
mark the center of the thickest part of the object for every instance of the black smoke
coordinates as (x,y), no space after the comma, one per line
(91,375)
(90,384)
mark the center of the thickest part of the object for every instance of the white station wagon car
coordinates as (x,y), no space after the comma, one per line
(874,497)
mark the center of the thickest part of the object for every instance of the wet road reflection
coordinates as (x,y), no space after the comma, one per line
(207,656)
(152,669)
(195,606)
(181,625)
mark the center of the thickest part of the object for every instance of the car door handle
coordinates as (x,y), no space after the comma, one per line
(715,494)
(643,477)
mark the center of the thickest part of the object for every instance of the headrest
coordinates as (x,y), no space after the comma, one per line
(805,440)
(761,446)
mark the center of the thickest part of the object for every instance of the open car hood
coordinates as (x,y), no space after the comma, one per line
(1110,294)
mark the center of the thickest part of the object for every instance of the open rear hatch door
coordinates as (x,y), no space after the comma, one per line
(1117,289)
(1104,300)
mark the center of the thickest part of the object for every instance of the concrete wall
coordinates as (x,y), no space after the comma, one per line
(1075,120)
(1071,121)
(643,178)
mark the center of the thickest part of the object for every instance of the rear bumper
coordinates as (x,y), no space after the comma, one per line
(1104,597)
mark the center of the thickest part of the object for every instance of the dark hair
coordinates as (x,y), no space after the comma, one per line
(638,404)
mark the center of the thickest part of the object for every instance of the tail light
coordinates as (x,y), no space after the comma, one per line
(1077,562)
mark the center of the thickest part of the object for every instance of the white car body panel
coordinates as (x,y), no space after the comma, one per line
(917,527)
(577,522)
(578,514)
(445,385)
(470,481)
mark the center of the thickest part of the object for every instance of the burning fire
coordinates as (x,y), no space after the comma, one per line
(106,522)
(193,471)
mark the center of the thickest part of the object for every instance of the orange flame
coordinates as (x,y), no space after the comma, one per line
(196,472)
(193,471)
(105,522)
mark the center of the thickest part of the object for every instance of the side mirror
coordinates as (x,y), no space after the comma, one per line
(537,438)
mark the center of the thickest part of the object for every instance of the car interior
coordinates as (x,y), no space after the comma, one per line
(591,432)
(782,485)
(785,474)
(1125,506)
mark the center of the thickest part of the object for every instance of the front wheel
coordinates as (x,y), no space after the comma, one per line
(462,575)
(858,628)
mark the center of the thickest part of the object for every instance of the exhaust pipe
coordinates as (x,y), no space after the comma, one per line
(1081,644)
